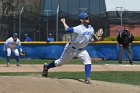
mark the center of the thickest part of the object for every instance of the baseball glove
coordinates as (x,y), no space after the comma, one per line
(22,53)
(99,33)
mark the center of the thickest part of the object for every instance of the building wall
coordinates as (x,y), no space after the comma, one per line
(73,7)
(70,9)
(135,29)
(0,7)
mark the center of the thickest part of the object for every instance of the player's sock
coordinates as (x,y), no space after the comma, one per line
(51,65)
(8,59)
(17,59)
(87,70)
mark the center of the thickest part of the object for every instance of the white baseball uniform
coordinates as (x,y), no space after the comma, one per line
(10,44)
(80,38)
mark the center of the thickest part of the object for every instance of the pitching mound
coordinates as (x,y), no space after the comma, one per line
(28,84)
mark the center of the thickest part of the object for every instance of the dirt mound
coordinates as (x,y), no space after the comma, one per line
(30,84)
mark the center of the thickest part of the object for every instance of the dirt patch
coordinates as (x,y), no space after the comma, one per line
(69,68)
(26,84)
(37,84)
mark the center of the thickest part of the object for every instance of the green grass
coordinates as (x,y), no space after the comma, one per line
(119,77)
(19,73)
(128,77)
(41,61)
(111,76)
(26,61)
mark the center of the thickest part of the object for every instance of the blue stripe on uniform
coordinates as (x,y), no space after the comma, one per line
(70,29)
(87,70)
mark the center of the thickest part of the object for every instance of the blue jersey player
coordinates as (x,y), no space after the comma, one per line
(27,38)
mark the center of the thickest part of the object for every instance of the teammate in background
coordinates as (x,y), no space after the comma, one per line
(12,44)
(82,34)
(27,38)
(125,39)
(50,38)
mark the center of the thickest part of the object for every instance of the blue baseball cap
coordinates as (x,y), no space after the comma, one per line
(14,34)
(83,15)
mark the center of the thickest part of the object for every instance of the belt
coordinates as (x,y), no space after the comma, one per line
(76,48)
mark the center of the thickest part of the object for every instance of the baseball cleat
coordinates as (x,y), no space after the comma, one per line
(8,64)
(18,64)
(131,63)
(45,70)
(87,81)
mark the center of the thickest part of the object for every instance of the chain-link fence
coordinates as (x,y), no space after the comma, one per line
(20,16)
(38,18)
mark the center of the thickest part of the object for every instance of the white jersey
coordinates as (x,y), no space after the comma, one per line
(10,43)
(80,39)
(81,36)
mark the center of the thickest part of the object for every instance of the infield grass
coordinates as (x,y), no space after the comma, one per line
(128,77)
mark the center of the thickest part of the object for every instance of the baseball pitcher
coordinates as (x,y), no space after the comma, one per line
(12,44)
(82,34)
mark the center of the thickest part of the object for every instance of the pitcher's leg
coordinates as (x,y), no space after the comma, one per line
(62,60)
(84,56)
(87,70)
(66,56)
(46,67)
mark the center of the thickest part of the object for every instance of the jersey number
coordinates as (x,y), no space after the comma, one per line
(87,33)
